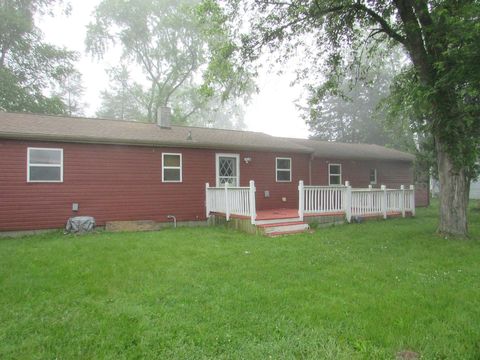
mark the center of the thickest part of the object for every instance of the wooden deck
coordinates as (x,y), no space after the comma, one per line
(289,214)
(277,214)
(278,222)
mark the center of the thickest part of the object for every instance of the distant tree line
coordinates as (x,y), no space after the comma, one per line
(184,50)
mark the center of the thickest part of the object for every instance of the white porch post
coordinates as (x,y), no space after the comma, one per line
(253,206)
(402,200)
(370,198)
(384,201)
(207,201)
(348,201)
(227,205)
(412,201)
(301,200)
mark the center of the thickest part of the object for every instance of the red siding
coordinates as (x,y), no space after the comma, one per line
(262,170)
(125,183)
(393,174)
(389,173)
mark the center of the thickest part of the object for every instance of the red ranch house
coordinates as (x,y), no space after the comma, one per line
(57,167)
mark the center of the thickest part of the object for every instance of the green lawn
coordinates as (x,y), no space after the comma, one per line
(354,291)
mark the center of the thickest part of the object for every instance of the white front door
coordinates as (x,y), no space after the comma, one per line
(228,169)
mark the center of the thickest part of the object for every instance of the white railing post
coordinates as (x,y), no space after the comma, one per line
(301,200)
(384,201)
(348,201)
(253,208)
(370,200)
(227,205)
(412,201)
(402,200)
(207,200)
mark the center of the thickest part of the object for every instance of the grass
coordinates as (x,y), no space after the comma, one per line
(363,291)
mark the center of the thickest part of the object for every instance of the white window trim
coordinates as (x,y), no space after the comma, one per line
(373,182)
(277,169)
(44,165)
(172,167)
(330,174)
(217,161)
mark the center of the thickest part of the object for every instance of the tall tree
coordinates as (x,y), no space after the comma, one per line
(184,49)
(228,114)
(125,99)
(442,39)
(353,113)
(29,68)
(71,91)
(403,116)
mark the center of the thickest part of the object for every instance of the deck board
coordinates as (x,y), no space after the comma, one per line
(277,214)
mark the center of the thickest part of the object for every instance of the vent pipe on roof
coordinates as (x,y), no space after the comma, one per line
(164,115)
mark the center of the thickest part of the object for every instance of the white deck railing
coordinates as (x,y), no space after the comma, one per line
(355,202)
(231,200)
(316,200)
(323,199)
(367,202)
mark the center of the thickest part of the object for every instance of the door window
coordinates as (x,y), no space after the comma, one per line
(227,170)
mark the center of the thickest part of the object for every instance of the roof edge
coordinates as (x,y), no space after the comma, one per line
(107,141)
(411,158)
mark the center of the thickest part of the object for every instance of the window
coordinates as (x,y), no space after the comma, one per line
(228,169)
(334,174)
(373,176)
(283,169)
(44,165)
(171,167)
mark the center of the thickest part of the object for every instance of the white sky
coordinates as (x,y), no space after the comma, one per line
(272,110)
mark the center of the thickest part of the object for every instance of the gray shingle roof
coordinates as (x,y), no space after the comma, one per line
(68,129)
(87,130)
(337,150)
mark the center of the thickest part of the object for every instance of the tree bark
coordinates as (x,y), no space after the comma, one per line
(454,193)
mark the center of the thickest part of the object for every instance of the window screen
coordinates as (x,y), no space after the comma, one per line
(45,165)
(172,167)
(283,169)
(335,174)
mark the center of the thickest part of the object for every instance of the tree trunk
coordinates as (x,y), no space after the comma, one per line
(454,192)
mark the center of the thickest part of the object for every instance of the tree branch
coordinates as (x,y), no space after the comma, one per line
(426,22)
(386,28)
(414,40)
(182,80)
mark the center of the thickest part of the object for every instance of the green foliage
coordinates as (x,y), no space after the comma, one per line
(352,111)
(15,97)
(124,100)
(70,91)
(442,40)
(348,292)
(29,67)
(405,108)
(184,49)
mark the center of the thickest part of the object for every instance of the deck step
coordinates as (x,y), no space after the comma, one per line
(283,223)
(276,221)
(284,228)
